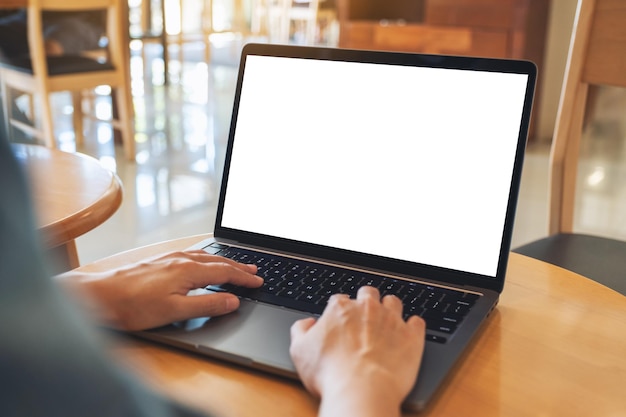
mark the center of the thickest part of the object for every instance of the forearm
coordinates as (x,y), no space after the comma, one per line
(73,280)
(361,399)
(83,289)
(360,405)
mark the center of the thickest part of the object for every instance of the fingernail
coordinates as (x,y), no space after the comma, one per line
(232,303)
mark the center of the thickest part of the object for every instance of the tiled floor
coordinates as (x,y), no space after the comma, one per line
(182,128)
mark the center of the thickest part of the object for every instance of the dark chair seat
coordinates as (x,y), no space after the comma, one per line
(59,65)
(600,259)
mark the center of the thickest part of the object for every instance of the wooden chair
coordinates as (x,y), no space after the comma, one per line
(276,16)
(40,75)
(207,28)
(146,33)
(202,33)
(597,56)
(306,13)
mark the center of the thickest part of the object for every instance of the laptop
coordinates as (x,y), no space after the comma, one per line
(347,168)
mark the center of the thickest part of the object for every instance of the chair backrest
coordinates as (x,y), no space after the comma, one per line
(597,56)
(113,31)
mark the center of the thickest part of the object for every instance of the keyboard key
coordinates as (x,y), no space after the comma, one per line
(271,289)
(372,281)
(451,318)
(311,298)
(322,301)
(290,283)
(460,310)
(350,289)
(352,279)
(440,326)
(412,311)
(435,338)
(291,293)
(327,291)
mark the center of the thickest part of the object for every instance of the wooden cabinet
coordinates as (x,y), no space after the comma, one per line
(491,28)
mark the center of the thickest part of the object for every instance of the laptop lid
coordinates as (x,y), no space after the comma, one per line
(404,163)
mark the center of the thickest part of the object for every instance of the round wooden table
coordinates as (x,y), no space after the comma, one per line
(73,193)
(555,346)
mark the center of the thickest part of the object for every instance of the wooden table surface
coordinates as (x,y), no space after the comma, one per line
(555,346)
(13,4)
(73,193)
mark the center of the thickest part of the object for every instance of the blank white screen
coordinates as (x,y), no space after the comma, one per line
(405,162)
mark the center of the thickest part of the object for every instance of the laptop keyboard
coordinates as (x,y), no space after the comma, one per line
(306,286)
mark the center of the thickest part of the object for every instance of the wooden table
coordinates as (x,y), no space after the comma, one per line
(13,4)
(556,346)
(73,193)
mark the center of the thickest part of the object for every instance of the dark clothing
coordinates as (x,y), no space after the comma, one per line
(51,362)
(75,31)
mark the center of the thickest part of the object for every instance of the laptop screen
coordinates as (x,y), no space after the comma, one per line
(406,162)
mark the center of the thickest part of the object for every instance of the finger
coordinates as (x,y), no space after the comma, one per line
(368,292)
(417,323)
(209,305)
(393,303)
(202,256)
(300,327)
(337,297)
(199,255)
(202,275)
(195,255)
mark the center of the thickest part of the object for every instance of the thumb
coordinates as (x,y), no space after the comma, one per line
(208,305)
(300,327)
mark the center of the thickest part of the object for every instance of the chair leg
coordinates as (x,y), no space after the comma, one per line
(163,38)
(166,60)
(77,117)
(180,39)
(207,28)
(47,126)
(124,108)
(311,23)
(285,21)
(5,107)
(258,14)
